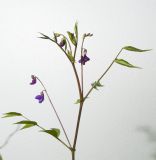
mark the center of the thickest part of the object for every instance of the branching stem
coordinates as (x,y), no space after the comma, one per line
(52,105)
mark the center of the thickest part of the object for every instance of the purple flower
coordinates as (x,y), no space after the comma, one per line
(62,43)
(84,57)
(40,97)
(33,80)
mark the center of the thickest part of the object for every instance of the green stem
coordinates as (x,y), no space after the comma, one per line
(45,129)
(102,75)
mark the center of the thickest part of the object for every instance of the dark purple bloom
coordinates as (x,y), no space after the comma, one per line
(33,80)
(84,57)
(62,43)
(40,97)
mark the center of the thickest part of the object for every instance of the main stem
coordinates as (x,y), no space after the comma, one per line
(82,99)
(81,105)
(73,155)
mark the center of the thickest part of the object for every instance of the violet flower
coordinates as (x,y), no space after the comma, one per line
(84,57)
(62,43)
(34,80)
(40,97)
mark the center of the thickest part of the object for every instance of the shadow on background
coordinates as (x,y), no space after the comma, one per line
(151,135)
(8,139)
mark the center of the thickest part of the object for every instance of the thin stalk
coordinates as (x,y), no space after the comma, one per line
(102,75)
(55,111)
(82,65)
(73,66)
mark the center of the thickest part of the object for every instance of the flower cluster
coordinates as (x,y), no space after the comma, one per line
(39,97)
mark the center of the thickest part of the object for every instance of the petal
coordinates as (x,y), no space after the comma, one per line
(33,80)
(38,97)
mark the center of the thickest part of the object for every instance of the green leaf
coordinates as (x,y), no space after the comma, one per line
(96,84)
(70,56)
(44,36)
(88,35)
(125,63)
(76,30)
(131,48)
(11,114)
(57,34)
(72,38)
(28,126)
(27,123)
(77,101)
(55,132)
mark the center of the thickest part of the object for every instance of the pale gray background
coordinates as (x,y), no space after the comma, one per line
(111,115)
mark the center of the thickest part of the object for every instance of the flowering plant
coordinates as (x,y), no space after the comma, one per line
(68,45)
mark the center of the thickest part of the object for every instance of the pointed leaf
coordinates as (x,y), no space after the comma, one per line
(131,48)
(88,35)
(26,122)
(72,38)
(76,30)
(11,114)
(125,63)
(28,126)
(70,56)
(96,84)
(44,36)
(77,101)
(57,34)
(55,132)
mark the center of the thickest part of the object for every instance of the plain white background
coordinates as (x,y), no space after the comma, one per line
(111,115)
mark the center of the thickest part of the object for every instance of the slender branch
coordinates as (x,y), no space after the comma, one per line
(45,129)
(55,111)
(102,75)
(59,47)
(73,65)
